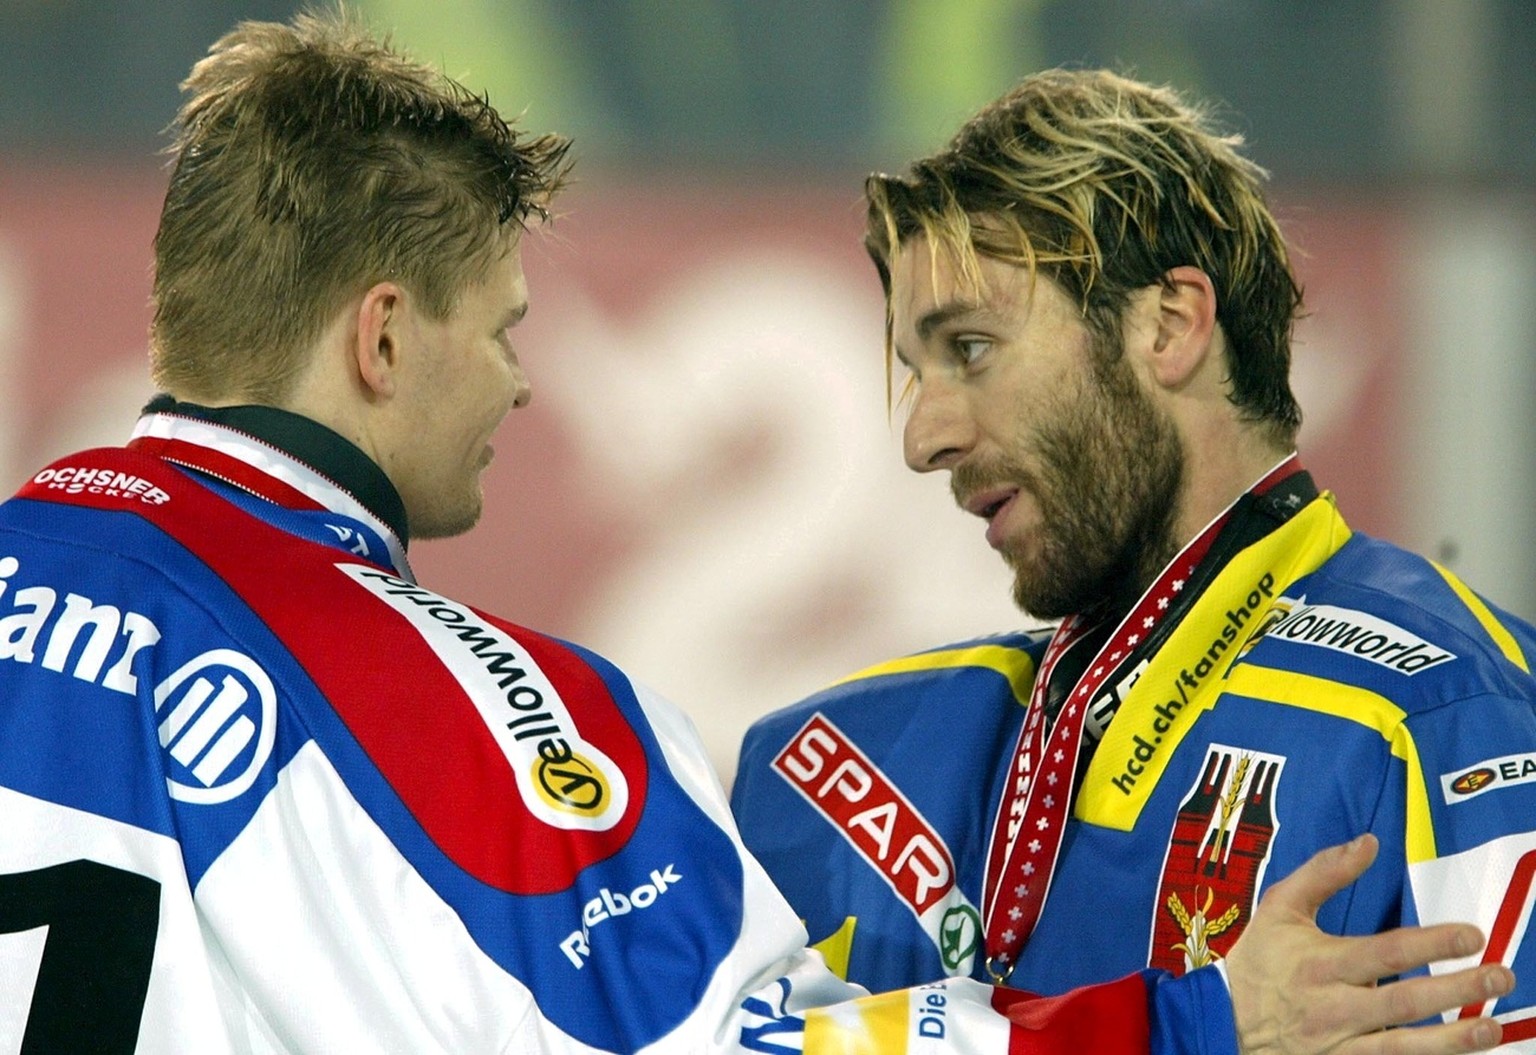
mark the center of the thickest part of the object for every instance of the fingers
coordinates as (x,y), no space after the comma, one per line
(1449,1038)
(1295,988)
(1325,874)
(1364,960)
(1415,999)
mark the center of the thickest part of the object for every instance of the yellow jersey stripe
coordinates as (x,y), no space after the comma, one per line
(836,947)
(1017,666)
(1501,637)
(1363,707)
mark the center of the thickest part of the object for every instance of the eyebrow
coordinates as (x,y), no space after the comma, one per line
(932,320)
(943,314)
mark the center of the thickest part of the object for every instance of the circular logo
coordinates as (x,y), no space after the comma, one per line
(215,712)
(1472,781)
(572,785)
(959,937)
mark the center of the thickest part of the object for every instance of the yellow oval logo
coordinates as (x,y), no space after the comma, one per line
(572,784)
(1473,781)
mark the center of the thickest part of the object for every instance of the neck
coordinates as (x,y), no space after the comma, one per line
(1210,484)
(1222,462)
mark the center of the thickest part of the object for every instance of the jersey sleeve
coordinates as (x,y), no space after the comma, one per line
(870,802)
(1470,839)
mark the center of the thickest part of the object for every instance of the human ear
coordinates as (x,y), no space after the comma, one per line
(380,328)
(1186,325)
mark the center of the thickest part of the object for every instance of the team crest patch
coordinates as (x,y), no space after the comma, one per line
(1216,857)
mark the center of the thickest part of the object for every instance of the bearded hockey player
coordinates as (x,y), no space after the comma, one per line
(1094,306)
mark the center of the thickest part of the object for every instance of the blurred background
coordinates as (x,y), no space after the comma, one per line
(708,485)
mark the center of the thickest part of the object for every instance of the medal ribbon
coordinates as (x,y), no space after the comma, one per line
(1032,817)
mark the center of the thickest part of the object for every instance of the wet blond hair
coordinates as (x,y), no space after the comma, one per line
(1104,184)
(310,161)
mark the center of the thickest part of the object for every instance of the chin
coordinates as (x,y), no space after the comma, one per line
(447,521)
(1044,593)
(1028,596)
(1027,577)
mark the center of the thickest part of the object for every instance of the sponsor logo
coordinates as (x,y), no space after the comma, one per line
(931,1009)
(851,791)
(1187,683)
(570,782)
(959,937)
(78,479)
(770,1028)
(1489,775)
(217,712)
(1357,634)
(842,784)
(564,780)
(1217,852)
(211,709)
(1475,781)
(610,904)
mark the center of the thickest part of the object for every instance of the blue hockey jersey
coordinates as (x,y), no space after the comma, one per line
(1322,684)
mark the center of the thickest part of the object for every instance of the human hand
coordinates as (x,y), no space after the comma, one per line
(1298,991)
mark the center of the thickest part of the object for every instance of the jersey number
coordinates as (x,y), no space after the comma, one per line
(1504,937)
(94,974)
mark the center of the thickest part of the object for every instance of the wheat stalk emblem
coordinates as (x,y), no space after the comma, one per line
(1229,804)
(1199,928)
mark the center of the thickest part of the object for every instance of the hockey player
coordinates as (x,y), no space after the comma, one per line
(263,792)
(1094,307)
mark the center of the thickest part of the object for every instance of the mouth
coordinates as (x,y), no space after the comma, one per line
(987,504)
(991,505)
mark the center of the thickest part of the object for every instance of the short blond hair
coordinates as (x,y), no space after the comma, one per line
(310,161)
(1104,184)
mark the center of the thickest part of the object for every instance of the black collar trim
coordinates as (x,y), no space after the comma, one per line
(310,442)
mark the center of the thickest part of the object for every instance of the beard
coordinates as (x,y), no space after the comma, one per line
(1108,466)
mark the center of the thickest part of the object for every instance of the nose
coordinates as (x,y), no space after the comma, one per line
(939,431)
(522,391)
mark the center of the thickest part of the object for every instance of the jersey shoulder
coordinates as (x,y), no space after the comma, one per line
(991,670)
(1380,618)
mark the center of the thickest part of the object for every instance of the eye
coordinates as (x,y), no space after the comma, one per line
(969,348)
(508,324)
